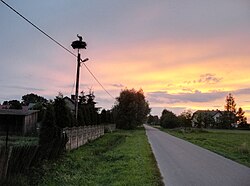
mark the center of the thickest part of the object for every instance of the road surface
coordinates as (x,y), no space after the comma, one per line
(184,164)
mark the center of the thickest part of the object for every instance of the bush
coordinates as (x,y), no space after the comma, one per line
(169,119)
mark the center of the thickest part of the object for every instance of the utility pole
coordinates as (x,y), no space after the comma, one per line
(78,44)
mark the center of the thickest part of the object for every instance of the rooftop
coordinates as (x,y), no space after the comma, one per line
(17,112)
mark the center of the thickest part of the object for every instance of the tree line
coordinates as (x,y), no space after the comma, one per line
(129,111)
(229,118)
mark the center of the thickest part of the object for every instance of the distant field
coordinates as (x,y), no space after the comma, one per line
(233,144)
(119,158)
(18,141)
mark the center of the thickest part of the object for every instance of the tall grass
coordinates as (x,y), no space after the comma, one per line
(120,158)
(232,144)
(18,141)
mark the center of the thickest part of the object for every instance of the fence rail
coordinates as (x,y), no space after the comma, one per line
(17,159)
(78,136)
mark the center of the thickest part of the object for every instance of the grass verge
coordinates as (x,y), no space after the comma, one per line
(119,158)
(232,144)
(18,141)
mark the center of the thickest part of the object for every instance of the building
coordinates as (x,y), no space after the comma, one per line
(70,103)
(207,118)
(18,122)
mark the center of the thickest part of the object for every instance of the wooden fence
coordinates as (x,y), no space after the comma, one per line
(78,136)
(109,128)
(17,159)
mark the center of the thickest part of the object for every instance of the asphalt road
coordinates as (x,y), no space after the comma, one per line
(182,163)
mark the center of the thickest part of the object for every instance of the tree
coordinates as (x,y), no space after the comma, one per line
(104,118)
(199,120)
(241,119)
(131,109)
(33,98)
(153,120)
(227,119)
(185,118)
(230,104)
(38,101)
(231,116)
(90,97)
(47,130)
(169,119)
(208,120)
(82,98)
(64,117)
(5,103)
(15,104)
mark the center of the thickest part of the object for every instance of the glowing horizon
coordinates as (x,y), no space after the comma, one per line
(184,55)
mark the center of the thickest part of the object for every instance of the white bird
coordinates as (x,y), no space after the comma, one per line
(80,37)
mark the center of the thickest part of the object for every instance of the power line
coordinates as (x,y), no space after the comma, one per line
(97,80)
(37,27)
(43,32)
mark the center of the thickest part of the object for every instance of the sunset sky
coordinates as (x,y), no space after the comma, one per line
(184,54)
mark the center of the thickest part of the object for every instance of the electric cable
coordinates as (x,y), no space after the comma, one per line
(59,44)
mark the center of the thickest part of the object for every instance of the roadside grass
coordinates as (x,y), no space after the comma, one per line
(118,158)
(232,144)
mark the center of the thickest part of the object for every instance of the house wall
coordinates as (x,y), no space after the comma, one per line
(18,124)
(194,119)
(70,105)
(217,117)
(29,125)
(13,123)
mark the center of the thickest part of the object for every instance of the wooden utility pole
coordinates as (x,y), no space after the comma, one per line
(78,44)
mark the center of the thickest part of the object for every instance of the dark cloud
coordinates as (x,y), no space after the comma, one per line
(242,91)
(23,88)
(73,85)
(196,96)
(117,85)
(209,79)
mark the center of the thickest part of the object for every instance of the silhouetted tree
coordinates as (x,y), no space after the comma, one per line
(15,104)
(227,119)
(208,120)
(199,120)
(130,109)
(47,131)
(104,118)
(153,120)
(241,119)
(64,117)
(185,118)
(90,97)
(33,98)
(230,104)
(82,98)
(87,112)
(5,103)
(169,119)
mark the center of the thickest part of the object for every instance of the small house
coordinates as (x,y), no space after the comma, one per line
(208,118)
(70,103)
(18,122)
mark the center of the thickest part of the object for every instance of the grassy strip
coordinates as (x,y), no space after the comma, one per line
(232,144)
(18,141)
(119,158)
